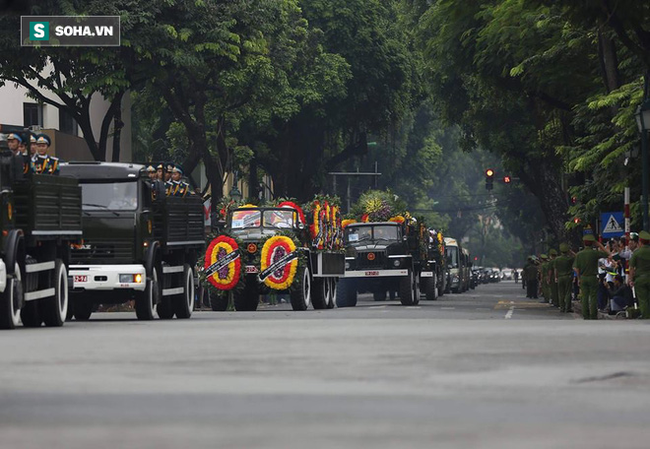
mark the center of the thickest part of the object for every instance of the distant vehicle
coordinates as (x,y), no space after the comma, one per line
(495,275)
(507,273)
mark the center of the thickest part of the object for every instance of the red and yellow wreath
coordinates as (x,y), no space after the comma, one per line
(280,255)
(222,265)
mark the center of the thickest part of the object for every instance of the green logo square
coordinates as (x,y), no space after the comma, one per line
(39,31)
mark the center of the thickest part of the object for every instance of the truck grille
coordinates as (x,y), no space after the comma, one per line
(364,261)
(98,250)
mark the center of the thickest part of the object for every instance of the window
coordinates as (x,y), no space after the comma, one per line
(32,114)
(67,124)
(109,195)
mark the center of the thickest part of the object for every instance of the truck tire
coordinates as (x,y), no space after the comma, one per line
(301,295)
(246,299)
(407,290)
(29,314)
(218,303)
(145,302)
(379,296)
(10,300)
(320,293)
(184,304)
(55,309)
(331,301)
(83,306)
(346,294)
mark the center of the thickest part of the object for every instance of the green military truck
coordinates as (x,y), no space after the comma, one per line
(433,277)
(40,218)
(138,244)
(381,257)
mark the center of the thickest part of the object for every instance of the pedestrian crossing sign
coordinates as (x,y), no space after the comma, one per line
(612,223)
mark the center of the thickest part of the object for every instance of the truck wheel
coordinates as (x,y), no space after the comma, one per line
(392,294)
(429,288)
(320,293)
(346,294)
(331,300)
(416,290)
(30,315)
(184,304)
(55,309)
(406,290)
(246,299)
(218,303)
(379,296)
(10,300)
(145,301)
(301,296)
(83,306)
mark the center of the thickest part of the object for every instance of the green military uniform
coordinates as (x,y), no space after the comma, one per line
(564,273)
(553,290)
(586,262)
(543,271)
(640,261)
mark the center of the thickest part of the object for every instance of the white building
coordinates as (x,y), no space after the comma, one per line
(18,109)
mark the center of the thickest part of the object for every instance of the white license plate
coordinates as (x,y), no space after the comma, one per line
(81,278)
(251,269)
(372,273)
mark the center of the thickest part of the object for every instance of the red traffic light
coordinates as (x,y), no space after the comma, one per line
(576,220)
(489,173)
(507,179)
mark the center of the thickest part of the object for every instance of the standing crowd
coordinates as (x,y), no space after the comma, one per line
(609,278)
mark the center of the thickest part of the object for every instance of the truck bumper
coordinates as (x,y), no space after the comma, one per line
(107,277)
(375,273)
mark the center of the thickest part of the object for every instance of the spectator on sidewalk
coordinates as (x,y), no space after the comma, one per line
(620,294)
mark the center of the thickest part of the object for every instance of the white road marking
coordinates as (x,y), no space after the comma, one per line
(509,313)
(413,307)
(377,307)
(448,308)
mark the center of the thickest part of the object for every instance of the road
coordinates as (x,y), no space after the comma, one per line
(485,369)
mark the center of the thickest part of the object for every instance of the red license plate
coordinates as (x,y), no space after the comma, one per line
(81,278)
(372,273)
(251,269)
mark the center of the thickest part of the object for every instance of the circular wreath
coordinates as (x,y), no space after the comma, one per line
(276,249)
(222,264)
(292,205)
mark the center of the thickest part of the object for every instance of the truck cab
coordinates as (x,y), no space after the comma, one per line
(379,259)
(138,244)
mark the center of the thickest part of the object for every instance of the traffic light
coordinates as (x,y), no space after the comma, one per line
(489,179)
(577,220)
(507,179)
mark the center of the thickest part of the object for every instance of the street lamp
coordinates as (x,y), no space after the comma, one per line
(643,123)
(235,194)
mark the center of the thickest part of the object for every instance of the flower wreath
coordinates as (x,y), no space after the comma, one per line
(273,250)
(221,268)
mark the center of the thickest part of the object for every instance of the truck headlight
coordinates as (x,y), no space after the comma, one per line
(130,278)
(347,265)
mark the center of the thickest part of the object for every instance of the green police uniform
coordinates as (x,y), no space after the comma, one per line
(553,290)
(530,274)
(543,271)
(640,261)
(564,272)
(586,262)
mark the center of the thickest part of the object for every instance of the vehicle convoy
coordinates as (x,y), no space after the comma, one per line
(277,249)
(41,217)
(385,257)
(137,244)
(459,266)
(433,278)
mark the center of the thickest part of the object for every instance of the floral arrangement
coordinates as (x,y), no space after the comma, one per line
(279,262)
(222,263)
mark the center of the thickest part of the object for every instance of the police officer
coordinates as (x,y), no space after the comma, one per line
(543,275)
(552,282)
(586,267)
(44,163)
(640,273)
(530,274)
(563,274)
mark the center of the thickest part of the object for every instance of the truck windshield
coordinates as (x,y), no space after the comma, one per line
(245,219)
(282,219)
(361,233)
(109,195)
(452,256)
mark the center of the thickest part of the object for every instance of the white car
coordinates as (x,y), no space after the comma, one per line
(506,273)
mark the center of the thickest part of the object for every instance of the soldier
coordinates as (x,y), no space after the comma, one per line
(530,274)
(180,187)
(169,185)
(552,282)
(640,273)
(44,163)
(543,276)
(160,172)
(19,162)
(151,172)
(563,273)
(32,146)
(586,267)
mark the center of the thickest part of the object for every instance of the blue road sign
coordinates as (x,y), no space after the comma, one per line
(613,224)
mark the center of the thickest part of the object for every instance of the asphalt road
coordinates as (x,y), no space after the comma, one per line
(486,369)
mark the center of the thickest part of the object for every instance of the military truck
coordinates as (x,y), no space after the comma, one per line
(433,277)
(138,244)
(40,218)
(279,256)
(381,257)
